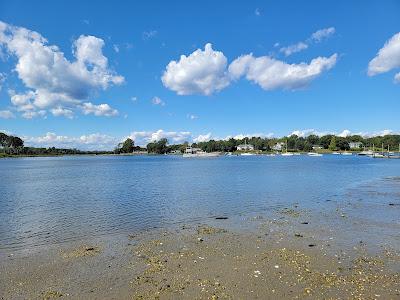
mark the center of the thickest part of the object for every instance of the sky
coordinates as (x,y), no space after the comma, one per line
(89,74)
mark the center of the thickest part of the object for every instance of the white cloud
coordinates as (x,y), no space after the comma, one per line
(116,48)
(59,111)
(98,110)
(6,114)
(149,34)
(51,80)
(202,138)
(202,72)
(134,99)
(94,141)
(241,136)
(271,74)
(345,133)
(145,137)
(157,101)
(2,79)
(387,59)
(316,37)
(289,50)
(321,34)
(34,114)
(306,132)
(397,78)
(192,117)
(257,12)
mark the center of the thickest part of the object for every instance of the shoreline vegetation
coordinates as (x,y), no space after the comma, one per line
(12,146)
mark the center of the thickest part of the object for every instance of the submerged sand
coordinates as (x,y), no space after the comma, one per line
(286,256)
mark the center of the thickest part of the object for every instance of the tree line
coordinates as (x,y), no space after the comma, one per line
(13,145)
(292,142)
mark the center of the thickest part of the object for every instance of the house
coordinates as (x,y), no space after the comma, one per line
(278,146)
(192,150)
(317,147)
(245,147)
(355,145)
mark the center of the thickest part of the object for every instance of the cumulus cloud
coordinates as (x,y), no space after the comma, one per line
(289,50)
(344,133)
(6,114)
(202,138)
(98,110)
(322,34)
(59,111)
(387,58)
(52,81)
(241,136)
(202,72)
(157,101)
(307,132)
(206,72)
(95,141)
(145,137)
(271,73)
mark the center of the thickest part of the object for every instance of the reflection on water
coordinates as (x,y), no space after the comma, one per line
(51,200)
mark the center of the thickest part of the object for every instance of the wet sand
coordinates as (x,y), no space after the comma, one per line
(290,254)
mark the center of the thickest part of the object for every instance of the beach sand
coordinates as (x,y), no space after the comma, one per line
(289,255)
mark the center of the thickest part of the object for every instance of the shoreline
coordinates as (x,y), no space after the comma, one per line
(288,254)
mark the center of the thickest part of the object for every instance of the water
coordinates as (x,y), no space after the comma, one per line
(52,200)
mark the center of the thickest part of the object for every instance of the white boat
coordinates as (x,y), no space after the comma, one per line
(191,152)
(287,154)
(366,152)
(346,153)
(314,154)
(335,153)
(247,154)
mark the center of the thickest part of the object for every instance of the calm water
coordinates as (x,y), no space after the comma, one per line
(51,200)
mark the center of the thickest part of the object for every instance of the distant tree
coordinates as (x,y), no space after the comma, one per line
(332,145)
(128,146)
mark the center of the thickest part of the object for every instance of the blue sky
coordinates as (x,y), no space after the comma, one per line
(113,56)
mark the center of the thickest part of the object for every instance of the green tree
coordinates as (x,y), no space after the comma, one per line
(128,146)
(332,145)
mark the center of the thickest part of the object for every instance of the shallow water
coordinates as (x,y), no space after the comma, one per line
(46,201)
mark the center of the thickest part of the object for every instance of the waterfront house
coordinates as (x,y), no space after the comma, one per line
(192,150)
(317,147)
(245,147)
(278,146)
(355,145)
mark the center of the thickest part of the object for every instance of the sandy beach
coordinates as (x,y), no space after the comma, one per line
(290,254)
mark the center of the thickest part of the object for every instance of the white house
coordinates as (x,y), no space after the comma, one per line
(192,150)
(278,146)
(355,145)
(245,147)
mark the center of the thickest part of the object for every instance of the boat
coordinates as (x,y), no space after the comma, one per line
(314,154)
(191,152)
(287,154)
(247,154)
(336,153)
(366,153)
(346,153)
